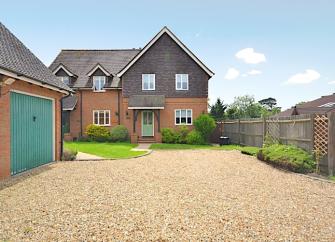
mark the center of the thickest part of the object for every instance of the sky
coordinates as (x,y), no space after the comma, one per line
(265,48)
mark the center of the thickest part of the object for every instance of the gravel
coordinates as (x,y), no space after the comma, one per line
(167,196)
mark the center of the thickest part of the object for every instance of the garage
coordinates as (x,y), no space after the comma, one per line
(32,137)
(30,109)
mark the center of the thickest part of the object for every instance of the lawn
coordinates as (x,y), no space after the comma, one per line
(245,150)
(106,150)
(332,178)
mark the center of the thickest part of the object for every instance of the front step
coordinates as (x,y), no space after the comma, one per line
(146,140)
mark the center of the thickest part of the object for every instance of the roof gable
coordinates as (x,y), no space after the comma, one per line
(165,30)
(100,67)
(65,69)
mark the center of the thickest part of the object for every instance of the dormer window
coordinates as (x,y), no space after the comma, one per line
(65,79)
(99,83)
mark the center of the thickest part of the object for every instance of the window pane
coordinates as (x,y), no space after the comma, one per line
(183,120)
(146,85)
(189,120)
(96,119)
(183,113)
(177,120)
(184,85)
(107,117)
(101,117)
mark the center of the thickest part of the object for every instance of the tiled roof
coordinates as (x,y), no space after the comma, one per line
(17,58)
(81,62)
(69,103)
(317,106)
(146,101)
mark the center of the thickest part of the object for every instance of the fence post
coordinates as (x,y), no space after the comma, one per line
(239,131)
(331,143)
(264,129)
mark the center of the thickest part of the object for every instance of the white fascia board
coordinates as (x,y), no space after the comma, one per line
(167,31)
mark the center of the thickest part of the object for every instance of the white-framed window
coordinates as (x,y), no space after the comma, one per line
(101,117)
(99,83)
(181,81)
(148,82)
(183,116)
(65,79)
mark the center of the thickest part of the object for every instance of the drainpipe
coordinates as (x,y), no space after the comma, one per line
(118,106)
(61,124)
(81,113)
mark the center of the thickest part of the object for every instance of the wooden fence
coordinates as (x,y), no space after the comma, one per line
(313,133)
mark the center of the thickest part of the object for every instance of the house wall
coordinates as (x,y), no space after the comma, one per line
(90,101)
(167,115)
(165,59)
(5,120)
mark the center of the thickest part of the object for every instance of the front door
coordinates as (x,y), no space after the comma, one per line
(147,123)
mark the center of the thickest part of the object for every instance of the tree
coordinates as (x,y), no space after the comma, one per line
(268,103)
(245,107)
(217,110)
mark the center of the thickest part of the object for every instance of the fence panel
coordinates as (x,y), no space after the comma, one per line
(231,129)
(251,132)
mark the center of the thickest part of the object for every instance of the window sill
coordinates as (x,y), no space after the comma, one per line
(100,91)
(183,124)
(103,125)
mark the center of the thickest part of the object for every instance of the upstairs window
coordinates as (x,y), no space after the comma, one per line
(148,82)
(183,116)
(181,81)
(101,117)
(65,79)
(99,83)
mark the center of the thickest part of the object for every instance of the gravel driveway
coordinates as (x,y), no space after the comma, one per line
(168,195)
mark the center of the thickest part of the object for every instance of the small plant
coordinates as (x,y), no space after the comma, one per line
(205,125)
(169,136)
(181,134)
(195,138)
(69,155)
(97,133)
(119,133)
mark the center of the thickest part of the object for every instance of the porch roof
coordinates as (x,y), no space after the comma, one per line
(146,102)
(69,103)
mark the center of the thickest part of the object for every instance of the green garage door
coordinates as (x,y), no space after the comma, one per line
(31,132)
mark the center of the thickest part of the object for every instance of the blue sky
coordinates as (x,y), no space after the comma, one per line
(291,44)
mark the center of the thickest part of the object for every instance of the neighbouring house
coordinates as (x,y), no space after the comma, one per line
(321,105)
(30,108)
(162,85)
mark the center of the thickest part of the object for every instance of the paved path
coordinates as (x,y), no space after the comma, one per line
(142,147)
(188,195)
(85,156)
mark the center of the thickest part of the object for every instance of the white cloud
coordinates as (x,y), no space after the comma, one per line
(244,75)
(248,55)
(231,74)
(331,82)
(304,78)
(254,72)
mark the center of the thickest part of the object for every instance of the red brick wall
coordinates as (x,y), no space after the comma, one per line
(93,101)
(5,120)
(167,116)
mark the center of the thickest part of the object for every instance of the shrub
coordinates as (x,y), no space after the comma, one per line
(97,133)
(69,155)
(119,133)
(195,138)
(205,125)
(169,136)
(288,157)
(181,134)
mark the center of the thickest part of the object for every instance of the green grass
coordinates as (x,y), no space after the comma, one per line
(245,150)
(105,150)
(332,178)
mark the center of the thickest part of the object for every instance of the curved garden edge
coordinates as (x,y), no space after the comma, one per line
(148,152)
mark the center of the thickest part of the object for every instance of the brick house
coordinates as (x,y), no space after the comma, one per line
(30,108)
(320,105)
(162,85)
